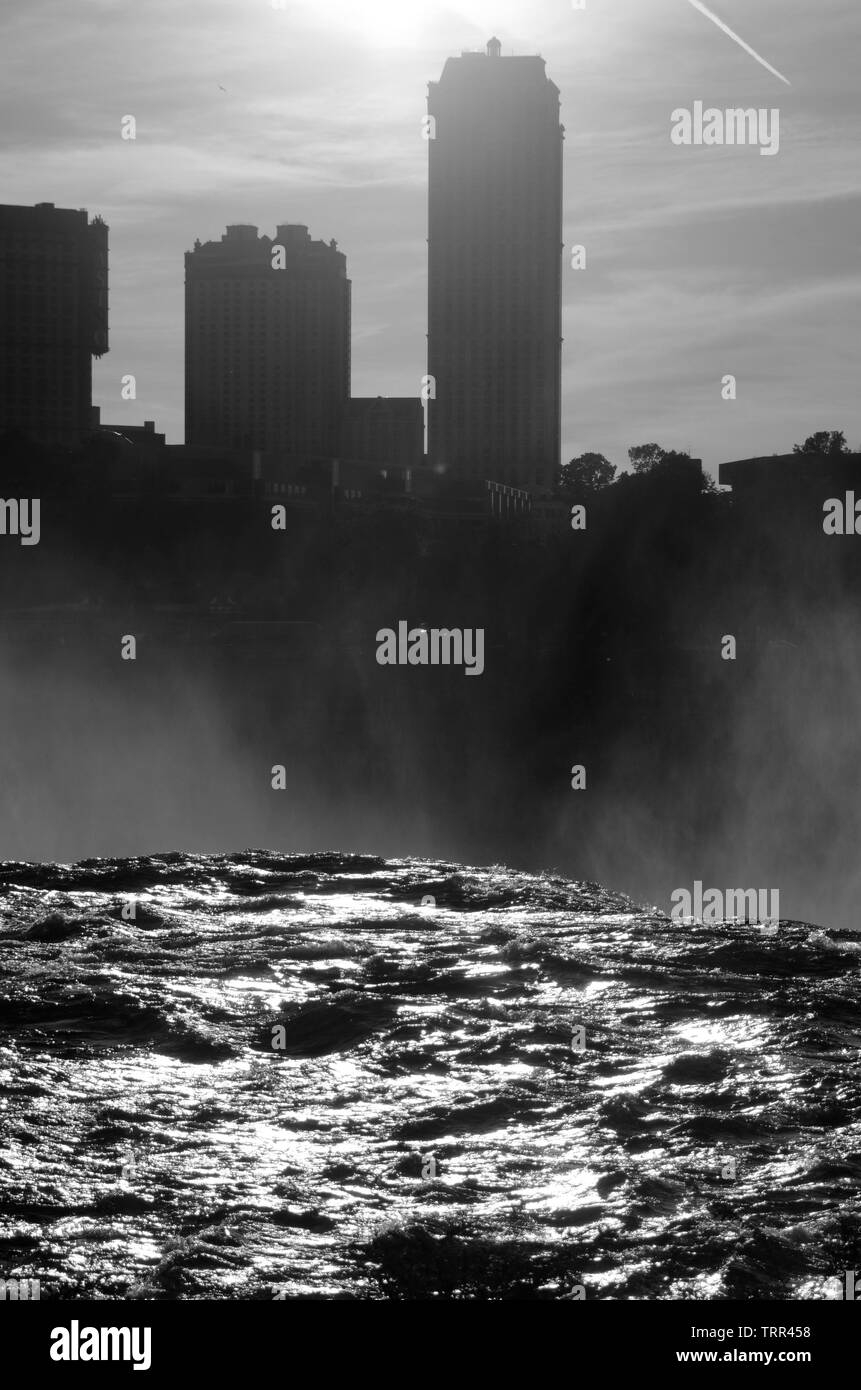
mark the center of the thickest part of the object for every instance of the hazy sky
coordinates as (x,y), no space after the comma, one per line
(700,261)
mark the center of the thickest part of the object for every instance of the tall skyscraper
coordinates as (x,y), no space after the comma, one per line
(494,269)
(53,319)
(267,342)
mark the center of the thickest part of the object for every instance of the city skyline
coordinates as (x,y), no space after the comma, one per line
(701,262)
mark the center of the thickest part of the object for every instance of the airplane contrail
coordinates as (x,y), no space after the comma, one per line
(698,5)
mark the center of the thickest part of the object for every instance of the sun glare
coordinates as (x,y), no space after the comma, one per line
(408,23)
(378,23)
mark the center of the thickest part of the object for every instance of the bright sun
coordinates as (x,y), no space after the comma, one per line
(380,23)
(409,23)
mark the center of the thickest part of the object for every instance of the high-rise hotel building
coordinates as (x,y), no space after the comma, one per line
(53,320)
(494,269)
(267,342)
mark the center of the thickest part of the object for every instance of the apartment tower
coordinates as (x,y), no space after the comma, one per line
(267,342)
(494,269)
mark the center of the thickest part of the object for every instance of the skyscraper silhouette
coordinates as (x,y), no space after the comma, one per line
(494,268)
(267,342)
(53,320)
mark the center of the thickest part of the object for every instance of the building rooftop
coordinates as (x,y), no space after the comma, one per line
(774,468)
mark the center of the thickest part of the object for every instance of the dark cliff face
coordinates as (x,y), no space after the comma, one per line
(263,1075)
(604,649)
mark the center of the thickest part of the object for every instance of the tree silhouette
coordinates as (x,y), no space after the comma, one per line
(827,443)
(585,475)
(646,458)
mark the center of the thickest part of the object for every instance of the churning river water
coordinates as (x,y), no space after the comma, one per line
(263,1076)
